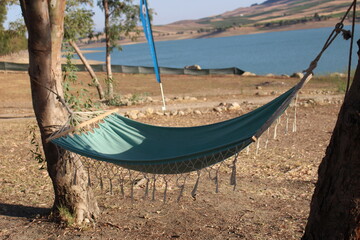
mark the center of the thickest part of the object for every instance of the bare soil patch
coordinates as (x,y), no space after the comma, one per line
(274,186)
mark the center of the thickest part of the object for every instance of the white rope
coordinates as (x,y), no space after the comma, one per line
(163,97)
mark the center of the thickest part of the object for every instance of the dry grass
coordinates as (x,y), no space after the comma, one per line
(274,188)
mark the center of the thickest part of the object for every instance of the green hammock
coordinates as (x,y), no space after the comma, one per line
(169,150)
(172,150)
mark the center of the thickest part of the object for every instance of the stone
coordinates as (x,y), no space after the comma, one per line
(336,74)
(297,75)
(149,99)
(248,74)
(141,115)
(133,114)
(234,106)
(193,67)
(218,109)
(270,75)
(159,113)
(149,111)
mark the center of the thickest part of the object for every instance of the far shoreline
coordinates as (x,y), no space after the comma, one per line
(228,33)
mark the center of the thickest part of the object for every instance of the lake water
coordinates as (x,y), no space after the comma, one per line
(276,52)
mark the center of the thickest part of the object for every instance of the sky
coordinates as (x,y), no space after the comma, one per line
(167,11)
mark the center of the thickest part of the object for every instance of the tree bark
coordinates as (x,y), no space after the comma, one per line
(44,21)
(109,79)
(90,70)
(335,206)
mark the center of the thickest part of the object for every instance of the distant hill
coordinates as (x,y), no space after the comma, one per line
(270,15)
(278,11)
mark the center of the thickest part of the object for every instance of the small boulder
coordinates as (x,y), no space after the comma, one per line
(218,109)
(149,111)
(133,114)
(297,75)
(234,106)
(141,115)
(248,74)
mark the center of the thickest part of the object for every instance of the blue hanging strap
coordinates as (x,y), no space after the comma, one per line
(145,19)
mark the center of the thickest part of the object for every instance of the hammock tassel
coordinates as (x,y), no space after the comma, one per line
(193,192)
(267,138)
(257,147)
(132,190)
(216,177)
(182,187)
(122,191)
(146,194)
(101,183)
(233,172)
(154,188)
(287,123)
(165,190)
(111,186)
(75,177)
(216,180)
(295,113)
(89,179)
(275,128)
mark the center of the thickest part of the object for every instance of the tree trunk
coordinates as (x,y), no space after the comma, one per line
(109,79)
(45,36)
(335,206)
(90,70)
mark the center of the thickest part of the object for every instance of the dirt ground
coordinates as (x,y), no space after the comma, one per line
(274,183)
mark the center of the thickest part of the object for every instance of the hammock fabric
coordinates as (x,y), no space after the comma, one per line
(172,150)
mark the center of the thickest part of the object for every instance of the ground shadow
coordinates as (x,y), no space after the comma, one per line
(14,210)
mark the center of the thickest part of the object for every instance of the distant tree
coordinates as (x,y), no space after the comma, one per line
(98,35)
(317,17)
(79,23)
(3,12)
(91,36)
(18,26)
(44,22)
(13,39)
(121,18)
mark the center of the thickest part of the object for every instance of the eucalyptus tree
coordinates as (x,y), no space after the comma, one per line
(335,205)
(45,24)
(121,18)
(79,23)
